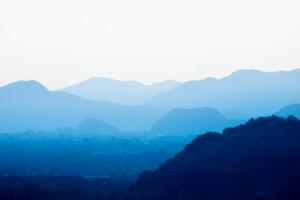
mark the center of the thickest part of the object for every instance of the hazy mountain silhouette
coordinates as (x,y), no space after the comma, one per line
(293,109)
(191,122)
(96,127)
(29,105)
(121,92)
(250,91)
(256,161)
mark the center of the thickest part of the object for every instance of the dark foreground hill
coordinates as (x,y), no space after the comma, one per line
(256,161)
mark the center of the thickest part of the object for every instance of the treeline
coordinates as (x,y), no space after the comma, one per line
(255,161)
(62,188)
(62,154)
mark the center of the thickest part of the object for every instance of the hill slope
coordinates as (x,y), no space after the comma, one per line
(96,127)
(191,122)
(120,92)
(250,91)
(29,105)
(258,160)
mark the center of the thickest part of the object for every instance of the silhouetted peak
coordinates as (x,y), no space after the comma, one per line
(246,73)
(194,112)
(102,80)
(95,126)
(250,73)
(210,79)
(167,83)
(30,87)
(182,121)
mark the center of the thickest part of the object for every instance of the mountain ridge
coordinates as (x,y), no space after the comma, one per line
(180,121)
(28,105)
(120,92)
(250,91)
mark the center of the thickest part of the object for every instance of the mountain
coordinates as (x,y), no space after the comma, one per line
(293,109)
(249,91)
(28,105)
(120,92)
(96,127)
(191,122)
(255,161)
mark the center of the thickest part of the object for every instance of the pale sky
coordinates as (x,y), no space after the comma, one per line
(61,42)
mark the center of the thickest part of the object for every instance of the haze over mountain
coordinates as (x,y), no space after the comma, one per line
(256,161)
(196,121)
(288,110)
(120,92)
(29,105)
(96,127)
(249,91)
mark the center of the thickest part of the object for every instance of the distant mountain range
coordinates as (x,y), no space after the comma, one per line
(192,122)
(28,105)
(246,91)
(256,161)
(120,92)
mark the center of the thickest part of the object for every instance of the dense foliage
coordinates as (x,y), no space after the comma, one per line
(61,188)
(63,153)
(258,160)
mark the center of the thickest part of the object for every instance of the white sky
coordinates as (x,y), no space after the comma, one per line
(61,42)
